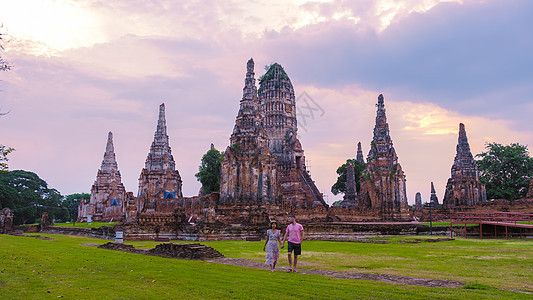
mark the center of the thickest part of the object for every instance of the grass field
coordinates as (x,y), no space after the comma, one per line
(66,266)
(447,224)
(85,225)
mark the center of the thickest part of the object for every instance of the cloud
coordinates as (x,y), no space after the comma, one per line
(434,73)
(468,57)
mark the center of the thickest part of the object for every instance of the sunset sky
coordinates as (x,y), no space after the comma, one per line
(84,68)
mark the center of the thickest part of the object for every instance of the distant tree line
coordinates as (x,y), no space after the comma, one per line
(506,170)
(29,196)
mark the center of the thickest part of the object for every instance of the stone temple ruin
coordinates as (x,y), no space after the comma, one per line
(265,162)
(383,188)
(107,193)
(464,187)
(263,177)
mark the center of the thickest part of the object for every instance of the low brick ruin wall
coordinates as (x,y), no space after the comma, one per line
(348,231)
(169,250)
(104,232)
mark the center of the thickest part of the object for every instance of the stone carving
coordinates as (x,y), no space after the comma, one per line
(464,187)
(383,182)
(433,199)
(159,179)
(418,201)
(359,156)
(6,221)
(107,193)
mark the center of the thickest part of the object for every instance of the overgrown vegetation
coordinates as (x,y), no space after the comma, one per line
(340,185)
(4,151)
(209,171)
(29,196)
(506,170)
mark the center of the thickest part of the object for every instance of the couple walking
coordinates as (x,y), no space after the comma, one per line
(295,235)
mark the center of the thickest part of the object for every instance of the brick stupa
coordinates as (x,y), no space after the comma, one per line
(383,184)
(107,193)
(159,179)
(464,187)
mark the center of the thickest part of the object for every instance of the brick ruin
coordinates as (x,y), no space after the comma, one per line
(350,197)
(433,200)
(383,184)
(249,170)
(6,220)
(359,156)
(159,178)
(107,193)
(263,177)
(418,201)
(464,187)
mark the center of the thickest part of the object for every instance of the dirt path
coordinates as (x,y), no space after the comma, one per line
(394,279)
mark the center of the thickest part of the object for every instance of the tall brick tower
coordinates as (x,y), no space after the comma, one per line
(383,186)
(464,187)
(248,168)
(159,178)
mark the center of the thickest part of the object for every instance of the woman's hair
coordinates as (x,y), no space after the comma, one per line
(270,226)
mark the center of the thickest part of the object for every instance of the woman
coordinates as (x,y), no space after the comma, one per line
(272,245)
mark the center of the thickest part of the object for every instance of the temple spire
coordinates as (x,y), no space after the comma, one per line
(109,162)
(433,199)
(160,155)
(359,156)
(161,131)
(464,163)
(159,178)
(464,187)
(250,90)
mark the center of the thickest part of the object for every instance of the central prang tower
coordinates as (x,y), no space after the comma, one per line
(278,104)
(265,162)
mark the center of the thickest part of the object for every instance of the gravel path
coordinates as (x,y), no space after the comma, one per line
(394,279)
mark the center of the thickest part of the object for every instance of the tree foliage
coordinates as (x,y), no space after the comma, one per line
(209,171)
(4,151)
(505,170)
(29,196)
(4,66)
(72,202)
(340,185)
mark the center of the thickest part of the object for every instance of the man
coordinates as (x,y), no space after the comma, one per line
(295,233)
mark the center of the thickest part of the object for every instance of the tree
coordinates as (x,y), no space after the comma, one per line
(209,171)
(4,151)
(29,196)
(340,185)
(505,170)
(4,66)
(72,202)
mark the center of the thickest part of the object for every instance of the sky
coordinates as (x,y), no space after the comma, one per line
(84,68)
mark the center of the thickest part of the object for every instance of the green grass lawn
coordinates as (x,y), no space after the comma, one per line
(85,225)
(448,224)
(35,268)
(493,262)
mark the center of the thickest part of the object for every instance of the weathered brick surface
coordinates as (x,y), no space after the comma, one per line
(463,187)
